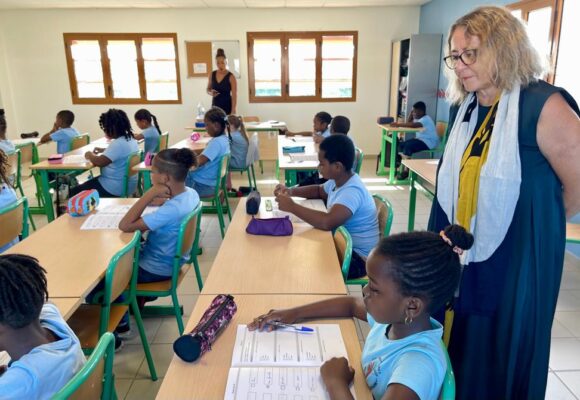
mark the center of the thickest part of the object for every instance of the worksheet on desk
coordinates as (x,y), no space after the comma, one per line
(110,216)
(315,204)
(283,364)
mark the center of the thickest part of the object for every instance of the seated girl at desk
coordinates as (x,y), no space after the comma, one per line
(204,178)
(320,128)
(411,275)
(7,195)
(5,145)
(45,353)
(113,159)
(348,201)
(147,122)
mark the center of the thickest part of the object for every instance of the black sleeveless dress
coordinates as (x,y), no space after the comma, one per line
(500,340)
(224,99)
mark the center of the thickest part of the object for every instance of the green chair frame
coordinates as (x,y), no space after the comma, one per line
(105,299)
(249,170)
(358,159)
(343,243)
(24,231)
(215,199)
(79,141)
(16,171)
(163,142)
(98,370)
(441,147)
(132,160)
(187,243)
(448,387)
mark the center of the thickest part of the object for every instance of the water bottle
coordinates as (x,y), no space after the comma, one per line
(200,111)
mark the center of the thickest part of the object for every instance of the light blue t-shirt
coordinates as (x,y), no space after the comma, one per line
(159,248)
(63,138)
(113,174)
(416,361)
(207,173)
(239,150)
(47,368)
(151,136)
(363,225)
(326,133)
(7,197)
(7,146)
(428,135)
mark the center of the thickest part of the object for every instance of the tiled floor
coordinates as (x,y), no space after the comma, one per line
(132,375)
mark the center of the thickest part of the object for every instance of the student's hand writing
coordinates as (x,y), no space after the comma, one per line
(283,130)
(98,150)
(281,189)
(336,371)
(285,202)
(288,316)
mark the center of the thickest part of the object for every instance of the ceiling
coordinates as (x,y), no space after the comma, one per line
(51,4)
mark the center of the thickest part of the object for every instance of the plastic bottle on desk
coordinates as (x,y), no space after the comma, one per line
(200,116)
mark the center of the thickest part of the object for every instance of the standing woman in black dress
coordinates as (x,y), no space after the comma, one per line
(222,85)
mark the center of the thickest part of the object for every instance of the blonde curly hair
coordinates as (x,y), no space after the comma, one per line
(512,57)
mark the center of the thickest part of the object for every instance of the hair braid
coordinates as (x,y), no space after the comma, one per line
(115,124)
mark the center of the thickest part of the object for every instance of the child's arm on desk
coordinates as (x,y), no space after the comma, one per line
(326,221)
(132,221)
(46,137)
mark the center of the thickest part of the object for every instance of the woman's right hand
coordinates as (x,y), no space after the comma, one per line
(281,189)
(288,316)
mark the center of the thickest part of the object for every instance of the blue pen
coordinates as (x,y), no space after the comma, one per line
(298,328)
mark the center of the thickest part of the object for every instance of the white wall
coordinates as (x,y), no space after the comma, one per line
(34,81)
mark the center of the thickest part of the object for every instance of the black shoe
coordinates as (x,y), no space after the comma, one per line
(118,343)
(401,176)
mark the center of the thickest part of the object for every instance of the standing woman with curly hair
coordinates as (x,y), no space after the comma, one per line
(113,159)
(510,175)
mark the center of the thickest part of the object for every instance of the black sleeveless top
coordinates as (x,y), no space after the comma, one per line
(224,99)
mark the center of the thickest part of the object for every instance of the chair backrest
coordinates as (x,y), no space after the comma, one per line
(27,152)
(14,221)
(132,160)
(163,141)
(448,387)
(441,129)
(95,379)
(343,244)
(79,141)
(188,232)
(250,118)
(384,214)
(13,163)
(122,271)
(358,159)
(253,150)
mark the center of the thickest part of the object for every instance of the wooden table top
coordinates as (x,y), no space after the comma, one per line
(75,260)
(389,128)
(285,160)
(207,378)
(68,166)
(197,147)
(250,126)
(66,305)
(427,169)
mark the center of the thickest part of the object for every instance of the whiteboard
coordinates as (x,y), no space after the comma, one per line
(232,50)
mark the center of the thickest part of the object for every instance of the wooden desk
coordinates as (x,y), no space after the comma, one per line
(66,305)
(423,176)
(75,260)
(303,263)
(207,378)
(389,134)
(572,233)
(290,167)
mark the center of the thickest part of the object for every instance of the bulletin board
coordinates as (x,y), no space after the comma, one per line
(201,60)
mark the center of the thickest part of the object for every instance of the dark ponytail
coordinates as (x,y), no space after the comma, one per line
(4,168)
(3,124)
(220,53)
(145,115)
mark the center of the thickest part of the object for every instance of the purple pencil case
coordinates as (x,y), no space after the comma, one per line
(270,226)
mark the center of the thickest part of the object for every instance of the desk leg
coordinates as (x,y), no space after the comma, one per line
(381,170)
(393,160)
(290,177)
(45,193)
(412,201)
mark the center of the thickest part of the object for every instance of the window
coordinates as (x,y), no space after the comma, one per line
(302,66)
(126,68)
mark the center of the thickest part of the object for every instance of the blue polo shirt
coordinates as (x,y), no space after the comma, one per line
(429,134)
(7,197)
(207,173)
(113,175)
(63,138)
(239,150)
(151,137)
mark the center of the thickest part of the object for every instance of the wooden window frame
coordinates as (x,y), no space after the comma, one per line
(107,80)
(284,40)
(527,6)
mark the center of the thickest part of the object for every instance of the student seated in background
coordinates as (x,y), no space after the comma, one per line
(7,195)
(239,144)
(320,128)
(347,199)
(62,132)
(426,139)
(113,159)
(204,178)
(5,145)
(45,353)
(411,276)
(151,132)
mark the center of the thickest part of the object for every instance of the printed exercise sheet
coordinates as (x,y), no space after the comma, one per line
(109,217)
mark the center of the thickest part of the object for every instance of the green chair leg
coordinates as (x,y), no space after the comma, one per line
(253,176)
(177,310)
(220,214)
(197,273)
(139,321)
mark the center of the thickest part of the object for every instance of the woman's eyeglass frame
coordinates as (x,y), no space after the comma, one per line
(452,60)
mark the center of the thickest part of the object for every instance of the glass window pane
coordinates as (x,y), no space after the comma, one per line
(337,66)
(539,31)
(567,66)
(302,67)
(517,14)
(158,49)
(268,67)
(124,73)
(86,56)
(160,69)
(162,91)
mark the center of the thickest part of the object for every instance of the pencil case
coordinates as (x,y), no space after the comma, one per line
(195,136)
(193,345)
(83,203)
(253,202)
(200,124)
(148,160)
(270,226)
(385,120)
(292,149)
(55,159)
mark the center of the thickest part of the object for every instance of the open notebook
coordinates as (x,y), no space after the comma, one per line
(283,364)
(110,216)
(303,157)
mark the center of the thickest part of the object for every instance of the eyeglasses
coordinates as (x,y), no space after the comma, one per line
(467,57)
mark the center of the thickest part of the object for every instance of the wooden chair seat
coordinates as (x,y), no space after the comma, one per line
(85,322)
(164,286)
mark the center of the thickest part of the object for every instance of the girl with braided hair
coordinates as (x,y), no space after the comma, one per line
(151,132)
(7,194)
(45,353)
(411,275)
(113,159)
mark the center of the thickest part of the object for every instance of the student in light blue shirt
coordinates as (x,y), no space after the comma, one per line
(147,122)
(112,159)
(411,276)
(204,178)
(62,132)
(5,145)
(348,201)
(7,195)
(320,127)
(45,353)
(239,141)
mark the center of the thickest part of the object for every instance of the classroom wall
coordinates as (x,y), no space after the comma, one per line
(34,81)
(437,17)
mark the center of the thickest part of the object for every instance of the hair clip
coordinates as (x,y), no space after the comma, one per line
(455,249)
